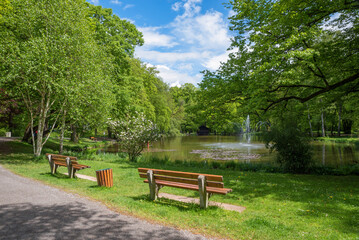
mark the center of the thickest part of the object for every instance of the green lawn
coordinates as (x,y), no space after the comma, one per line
(279,206)
(339,139)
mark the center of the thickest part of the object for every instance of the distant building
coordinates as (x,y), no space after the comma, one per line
(203,130)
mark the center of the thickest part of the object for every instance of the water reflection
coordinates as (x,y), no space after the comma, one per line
(244,148)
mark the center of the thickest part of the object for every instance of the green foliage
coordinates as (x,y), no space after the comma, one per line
(288,53)
(3,132)
(291,145)
(187,113)
(50,60)
(134,133)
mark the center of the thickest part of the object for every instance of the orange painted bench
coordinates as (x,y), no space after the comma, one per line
(56,160)
(205,184)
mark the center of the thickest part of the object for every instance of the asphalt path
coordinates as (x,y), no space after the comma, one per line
(32,210)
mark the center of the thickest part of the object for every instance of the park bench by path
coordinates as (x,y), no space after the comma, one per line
(205,184)
(56,160)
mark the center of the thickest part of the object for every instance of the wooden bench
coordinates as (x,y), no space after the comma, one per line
(56,160)
(205,184)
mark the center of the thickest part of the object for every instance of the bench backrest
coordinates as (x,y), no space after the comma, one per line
(62,158)
(183,177)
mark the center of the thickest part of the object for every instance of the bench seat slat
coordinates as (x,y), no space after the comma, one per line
(60,163)
(209,177)
(222,191)
(60,156)
(80,166)
(184,180)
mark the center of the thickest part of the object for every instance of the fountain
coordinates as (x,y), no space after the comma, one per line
(247,124)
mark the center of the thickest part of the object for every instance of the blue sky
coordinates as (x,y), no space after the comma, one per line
(182,37)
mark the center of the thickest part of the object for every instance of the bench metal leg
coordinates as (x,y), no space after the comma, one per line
(70,170)
(51,163)
(55,169)
(202,188)
(152,184)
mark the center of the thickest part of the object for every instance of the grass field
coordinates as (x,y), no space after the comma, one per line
(278,206)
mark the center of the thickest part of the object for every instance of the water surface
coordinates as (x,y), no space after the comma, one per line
(244,148)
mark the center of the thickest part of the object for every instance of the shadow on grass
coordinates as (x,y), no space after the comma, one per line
(335,197)
(56,175)
(181,206)
(73,221)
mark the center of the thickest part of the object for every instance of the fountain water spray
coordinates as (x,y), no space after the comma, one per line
(247,124)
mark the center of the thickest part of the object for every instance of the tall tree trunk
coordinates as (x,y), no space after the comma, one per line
(109,132)
(340,105)
(40,129)
(310,123)
(323,124)
(95,132)
(62,133)
(74,135)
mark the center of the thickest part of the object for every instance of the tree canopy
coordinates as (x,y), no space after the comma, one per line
(290,50)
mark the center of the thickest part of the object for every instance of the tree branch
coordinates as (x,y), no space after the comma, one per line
(294,86)
(315,94)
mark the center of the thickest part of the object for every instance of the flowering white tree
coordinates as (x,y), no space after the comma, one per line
(134,133)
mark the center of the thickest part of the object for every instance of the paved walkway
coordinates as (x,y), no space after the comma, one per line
(31,210)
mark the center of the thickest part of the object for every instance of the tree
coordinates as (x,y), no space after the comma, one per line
(289,51)
(134,133)
(48,55)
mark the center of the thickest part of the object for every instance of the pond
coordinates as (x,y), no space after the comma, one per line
(244,148)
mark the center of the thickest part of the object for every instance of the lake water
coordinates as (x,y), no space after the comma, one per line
(245,148)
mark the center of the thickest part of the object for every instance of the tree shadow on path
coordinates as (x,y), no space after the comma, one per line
(75,221)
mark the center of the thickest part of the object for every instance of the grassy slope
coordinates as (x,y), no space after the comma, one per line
(281,206)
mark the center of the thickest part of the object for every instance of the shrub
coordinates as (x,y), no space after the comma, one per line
(2,132)
(134,133)
(292,146)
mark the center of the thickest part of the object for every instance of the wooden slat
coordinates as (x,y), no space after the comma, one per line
(222,191)
(60,164)
(209,177)
(55,159)
(80,166)
(60,156)
(183,180)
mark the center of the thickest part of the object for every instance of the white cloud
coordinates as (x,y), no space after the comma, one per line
(176,78)
(95,2)
(128,19)
(231,13)
(191,8)
(208,31)
(116,2)
(128,6)
(154,39)
(214,62)
(176,6)
(194,41)
(185,66)
(170,57)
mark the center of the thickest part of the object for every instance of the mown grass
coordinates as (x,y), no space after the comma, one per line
(354,140)
(83,144)
(278,206)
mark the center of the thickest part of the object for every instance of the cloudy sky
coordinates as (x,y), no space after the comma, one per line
(182,37)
